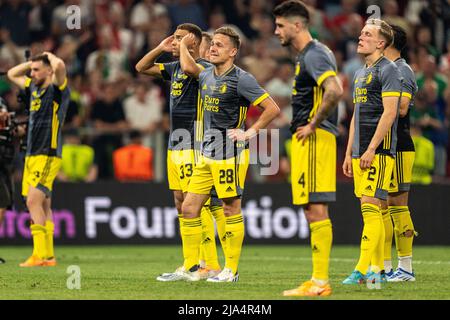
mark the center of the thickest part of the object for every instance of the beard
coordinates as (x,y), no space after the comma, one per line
(39,82)
(287,42)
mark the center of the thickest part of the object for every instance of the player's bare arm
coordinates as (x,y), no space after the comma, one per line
(58,67)
(147,64)
(390,105)
(271,111)
(17,74)
(187,62)
(332,93)
(347,166)
(404,106)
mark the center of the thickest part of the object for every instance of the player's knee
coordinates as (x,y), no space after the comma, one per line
(178,199)
(315,216)
(189,210)
(33,202)
(178,205)
(408,233)
(231,209)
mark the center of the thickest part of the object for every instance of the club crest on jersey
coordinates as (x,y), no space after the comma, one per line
(35,104)
(297,69)
(369,78)
(223,88)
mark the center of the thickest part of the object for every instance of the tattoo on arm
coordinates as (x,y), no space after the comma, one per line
(332,93)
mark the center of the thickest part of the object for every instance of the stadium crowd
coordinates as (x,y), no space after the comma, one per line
(112,106)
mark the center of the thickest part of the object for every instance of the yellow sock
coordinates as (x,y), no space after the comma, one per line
(208,248)
(49,238)
(39,234)
(388,234)
(192,237)
(180,222)
(321,240)
(234,231)
(219,216)
(34,247)
(370,236)
(403,230)
(378,255)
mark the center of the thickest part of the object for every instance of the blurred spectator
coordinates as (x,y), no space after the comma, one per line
(67,51)
(216,20)
(133,162)
(143,109)
(123,37)
(75,111)
(181,11)
(435,16)
(423,38)
(77,159)
(424,157)
(349,40)
(10,53)
(14,16)
(280,89)
(430,73)
(142,21)
(109,124)
(391,16)
(109,61)
(318,20)
(338,23)
(259,57)
(424,115)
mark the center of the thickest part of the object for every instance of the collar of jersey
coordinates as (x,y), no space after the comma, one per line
(309,44)
(38,95)
(375,63)
(225,73)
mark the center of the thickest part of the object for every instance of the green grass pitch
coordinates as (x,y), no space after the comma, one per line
(128,272)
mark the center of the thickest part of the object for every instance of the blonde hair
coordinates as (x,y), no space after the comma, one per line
(385,30)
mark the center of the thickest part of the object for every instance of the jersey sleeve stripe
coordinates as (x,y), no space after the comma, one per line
(64,85)
(390,94)
(325,75)
(260,99)
(27,82)
(407,94)
(200,66)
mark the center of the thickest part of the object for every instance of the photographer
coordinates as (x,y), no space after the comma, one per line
(9,134)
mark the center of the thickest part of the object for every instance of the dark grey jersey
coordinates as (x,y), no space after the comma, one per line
(184,103)
(409,89)
(371,84)
(225,101)
(48,108)
(314,64)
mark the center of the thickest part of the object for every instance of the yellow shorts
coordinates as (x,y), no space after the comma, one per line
(227,176)
(402,174)
(373,182)
(180,167)
(40,171)
(313,168)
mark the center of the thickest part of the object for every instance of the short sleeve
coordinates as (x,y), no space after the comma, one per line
(409,85)
(320,64)
(391,81)
(27,82)
(249,88)
(167,69)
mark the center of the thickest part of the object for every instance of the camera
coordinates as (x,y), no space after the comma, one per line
(8,134)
